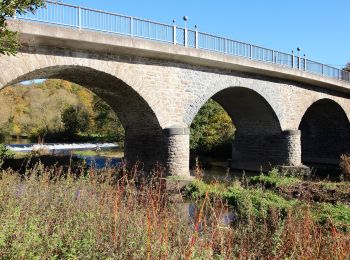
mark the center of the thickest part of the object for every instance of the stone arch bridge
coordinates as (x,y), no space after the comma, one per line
(283,116)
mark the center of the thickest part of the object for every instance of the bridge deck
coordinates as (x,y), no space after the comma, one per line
(36,34)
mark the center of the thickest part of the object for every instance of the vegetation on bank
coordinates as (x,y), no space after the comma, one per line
(5,154)
(72,113)
(117,214)
(275,192)
(274,179)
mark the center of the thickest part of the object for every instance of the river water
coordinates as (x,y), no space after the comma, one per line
(211,168)
(212,172)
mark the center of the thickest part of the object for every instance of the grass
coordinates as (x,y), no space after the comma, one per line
(22,155)
(106,153)
(274,179)
(247,202)
(337,213)
(118,214)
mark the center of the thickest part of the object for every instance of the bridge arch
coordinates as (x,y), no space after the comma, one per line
(259,140)
(143,133)
(325,132)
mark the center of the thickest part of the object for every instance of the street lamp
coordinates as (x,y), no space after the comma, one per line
(185,18)
(298,49)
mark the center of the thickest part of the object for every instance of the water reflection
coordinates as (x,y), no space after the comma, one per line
(222,215)
(99,162)
(223,174)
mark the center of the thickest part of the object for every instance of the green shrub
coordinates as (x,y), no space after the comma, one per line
(247,202)
(338,213)
(5,154)
(274,179)
(258,203)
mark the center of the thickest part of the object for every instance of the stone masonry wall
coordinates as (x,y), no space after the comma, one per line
(178,153)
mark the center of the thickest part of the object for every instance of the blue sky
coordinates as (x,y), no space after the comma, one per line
(321,28)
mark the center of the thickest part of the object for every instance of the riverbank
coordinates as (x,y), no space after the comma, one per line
(116,213)
(259,196)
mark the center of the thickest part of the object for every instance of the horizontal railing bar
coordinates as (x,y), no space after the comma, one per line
(55,23)
(147,21)
(109,13)
(221,37)
(89,9)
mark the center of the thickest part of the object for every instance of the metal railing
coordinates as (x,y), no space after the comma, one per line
(86,18)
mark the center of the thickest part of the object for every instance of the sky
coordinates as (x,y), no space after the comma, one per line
(321,28)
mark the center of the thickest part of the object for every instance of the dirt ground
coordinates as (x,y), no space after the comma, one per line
(317,191)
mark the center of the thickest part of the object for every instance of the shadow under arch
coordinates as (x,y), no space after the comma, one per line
(259,141)
(143,133)
(325,132)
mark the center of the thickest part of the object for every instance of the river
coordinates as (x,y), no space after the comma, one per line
(110,154)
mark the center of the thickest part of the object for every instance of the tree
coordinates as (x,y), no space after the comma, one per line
(347,67)
(5,154)
(106,121)
(22,109)
(211,128)
(8,8)
(75,120)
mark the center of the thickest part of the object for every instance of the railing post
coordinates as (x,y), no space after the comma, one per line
(131,26)
(196,36)
(174,32)
(273,57)
(292,59)
(304,62)
(79,17)
(186,36)
(322,68)
(251,52)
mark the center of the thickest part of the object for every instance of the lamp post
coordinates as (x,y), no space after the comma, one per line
(196,35)
(174,31)
(185,18)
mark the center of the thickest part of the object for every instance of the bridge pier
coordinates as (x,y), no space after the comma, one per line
(178,151)
(291,148)
(256,152)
